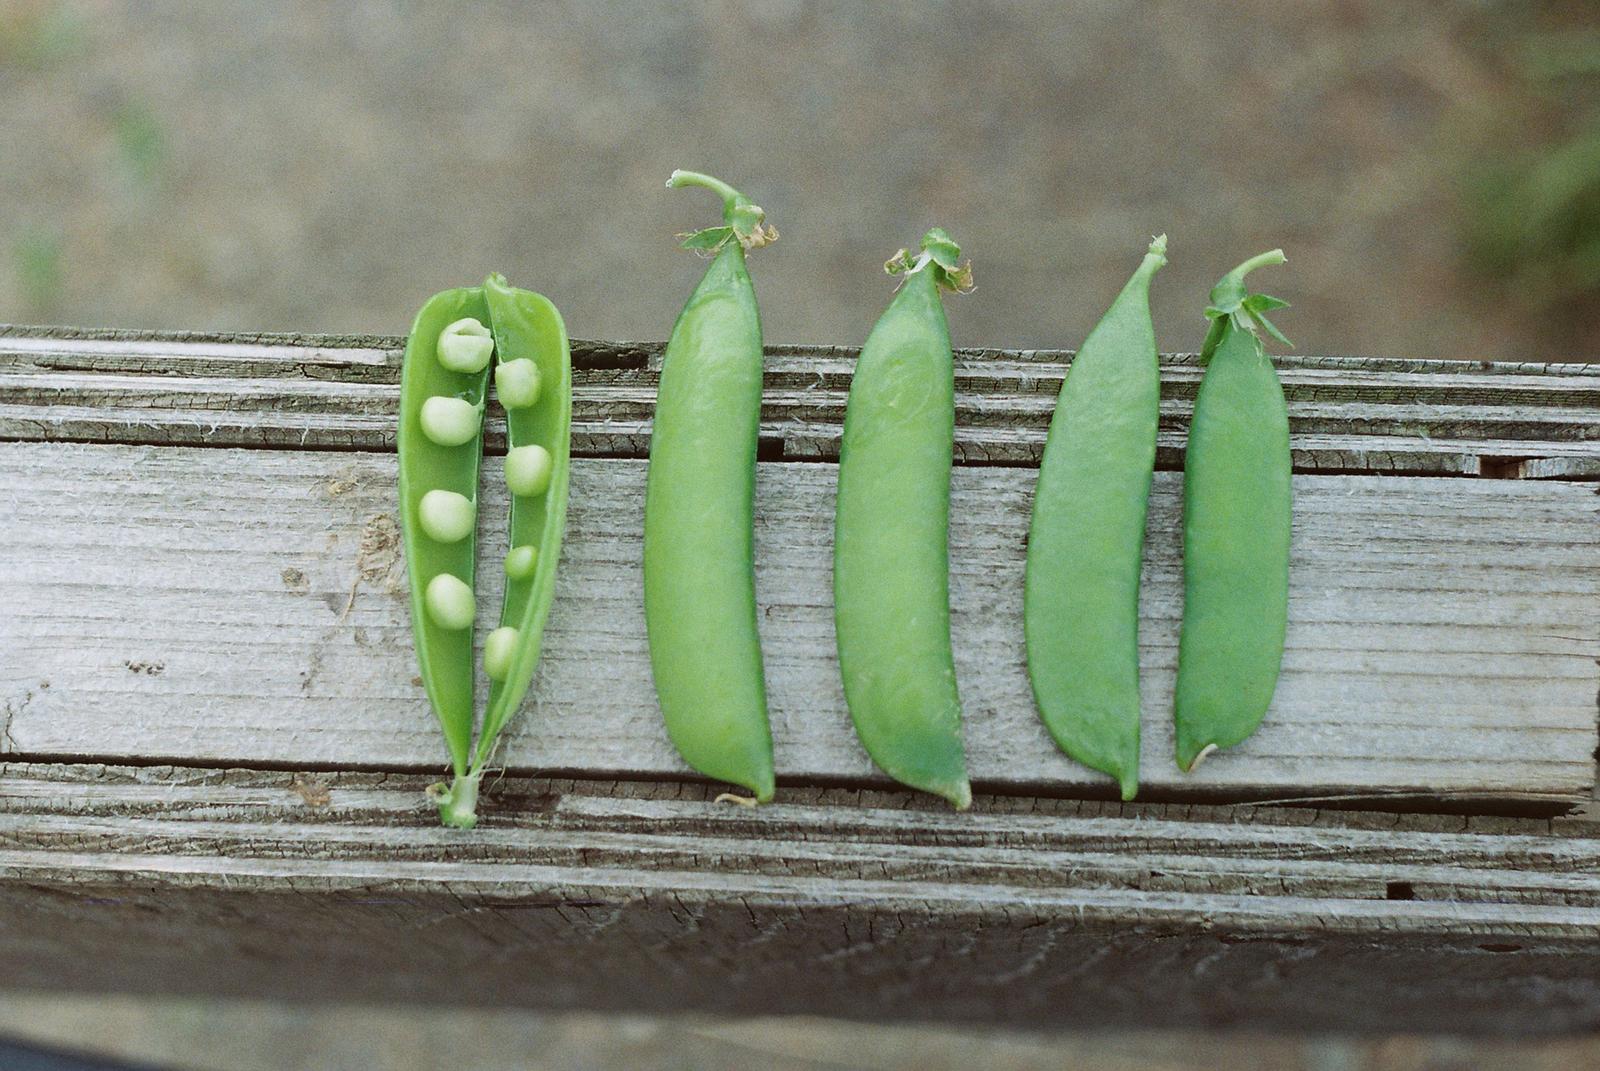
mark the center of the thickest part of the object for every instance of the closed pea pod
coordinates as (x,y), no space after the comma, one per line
(1236,522)
(443,384)
(891,552)
(699,578)
(1086,540)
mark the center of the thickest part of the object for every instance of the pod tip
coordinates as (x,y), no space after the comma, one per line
(1200,756)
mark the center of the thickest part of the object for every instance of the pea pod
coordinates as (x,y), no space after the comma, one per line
(891,583)
(1236,522)
(1086,540)
(699,575)
(442,391)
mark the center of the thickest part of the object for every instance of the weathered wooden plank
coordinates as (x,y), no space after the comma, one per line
(247,607)
(1348,414)
(612,437)
(650,896)
(633,397)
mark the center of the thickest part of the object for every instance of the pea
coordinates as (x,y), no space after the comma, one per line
(465,346)
(1086,539)
(450,602)
(516,383)
(891,554)
(446,515)
(499,649)
(450,421)
(443,382)
(520,562)
(1236,519)
(528,469)
(699,576)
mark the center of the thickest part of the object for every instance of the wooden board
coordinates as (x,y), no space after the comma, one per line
(200,583)
(293,392)
(648,896)
(247,606)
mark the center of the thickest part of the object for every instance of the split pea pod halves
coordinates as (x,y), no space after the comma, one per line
(1086,542)
(442,394)
(699,576)
(1236,522)
(891,566)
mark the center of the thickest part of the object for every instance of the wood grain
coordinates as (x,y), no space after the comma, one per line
(247,607)
(1347,414)
(862,905)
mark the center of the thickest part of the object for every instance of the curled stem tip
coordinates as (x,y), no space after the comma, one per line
(1232,284)
(1232,301)
(742,219)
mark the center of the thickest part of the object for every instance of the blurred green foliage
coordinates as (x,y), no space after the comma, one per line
(1533,215)
(37,257)
(39,35)
(141,142)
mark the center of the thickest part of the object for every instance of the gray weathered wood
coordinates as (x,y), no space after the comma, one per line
(1347,413)
(588,894)
(207,607)
(248,607)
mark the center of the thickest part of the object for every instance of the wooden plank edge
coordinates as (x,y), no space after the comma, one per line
(617,354)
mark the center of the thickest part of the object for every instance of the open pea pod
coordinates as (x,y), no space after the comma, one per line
(442,395)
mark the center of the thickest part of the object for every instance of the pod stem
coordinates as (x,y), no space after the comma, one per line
(458,803)
(940,256)
(742,219)
(1233,303)
(1157,253)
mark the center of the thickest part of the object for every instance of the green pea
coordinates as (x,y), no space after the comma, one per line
(1086,540)
(520,562)
(450,421)
(699,577)
(516,383)
(891,582)
(450,602)
(446,515)
(443,383)
(1237,508)
(465,346)
(528,469)
(499,648)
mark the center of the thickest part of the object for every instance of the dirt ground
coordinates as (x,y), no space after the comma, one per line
(305,166)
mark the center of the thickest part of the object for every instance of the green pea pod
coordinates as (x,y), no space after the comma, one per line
(891,582)
(1236,522)
(1086,541)
(444,655)
(443,384)
(699,575)
(527,326)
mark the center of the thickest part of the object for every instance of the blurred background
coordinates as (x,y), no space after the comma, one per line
(1432,169)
